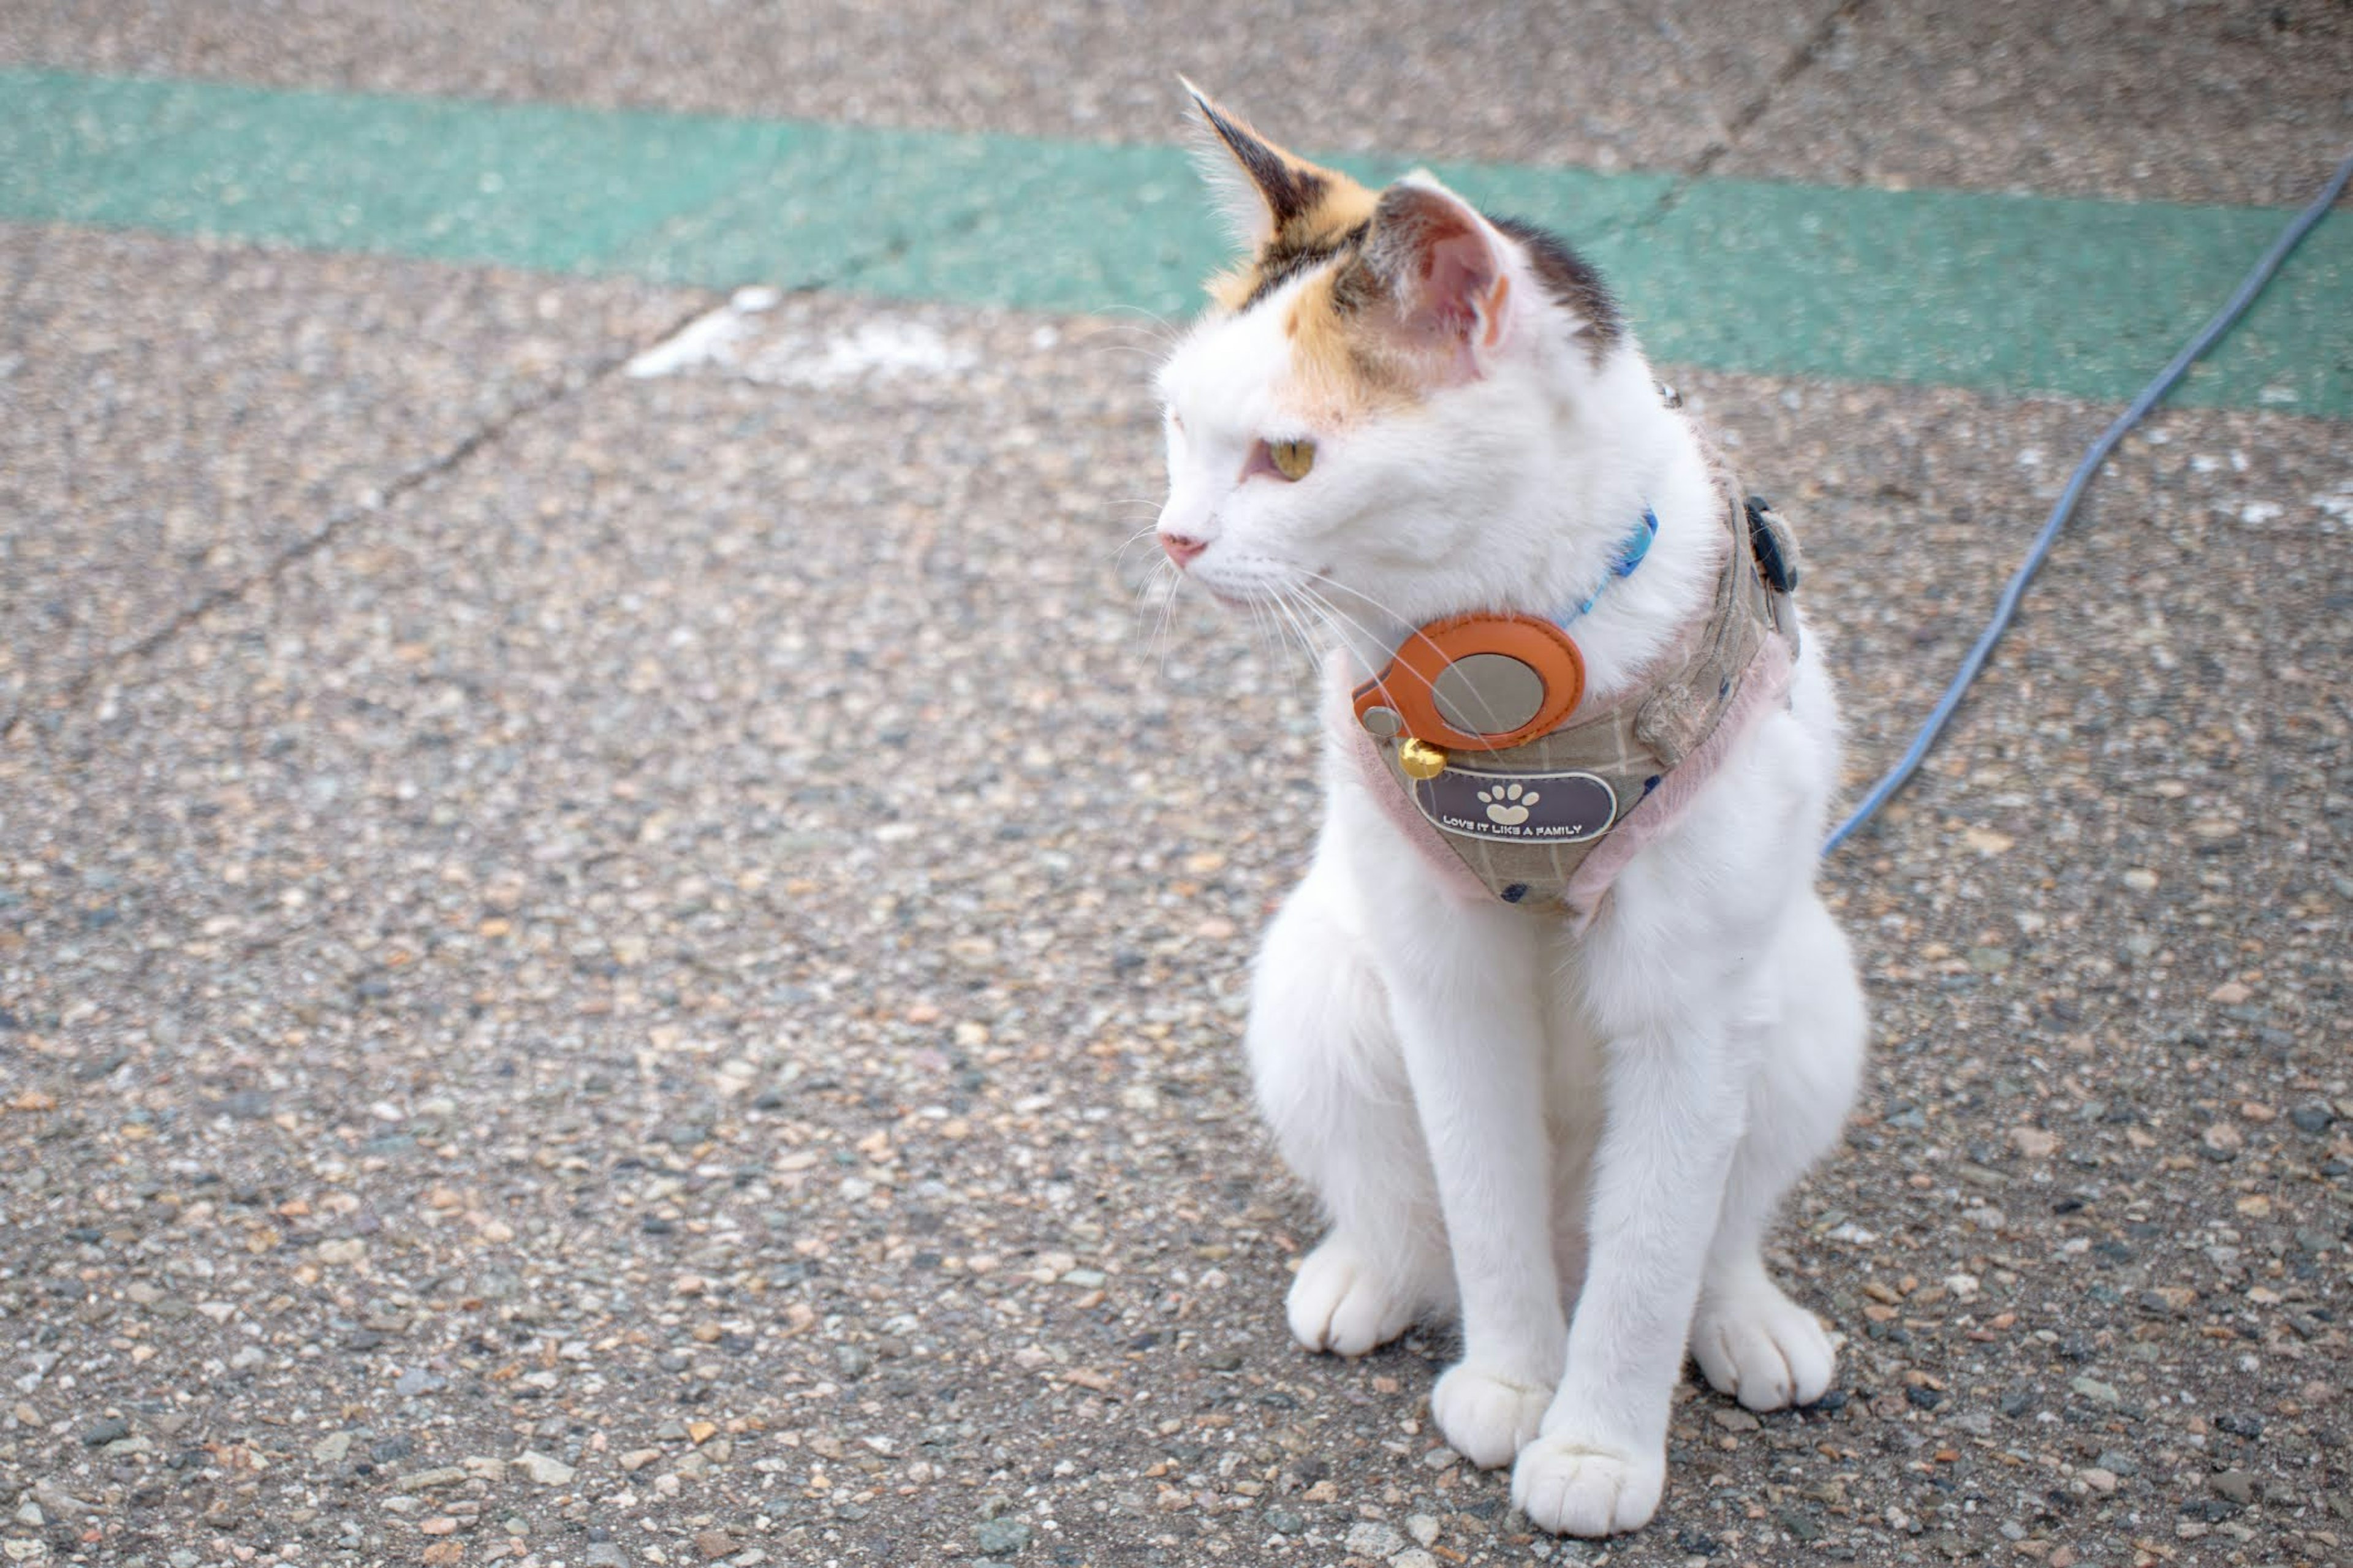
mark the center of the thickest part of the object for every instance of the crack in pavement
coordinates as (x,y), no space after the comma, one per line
(70,695)
(1800,61)
(561,389)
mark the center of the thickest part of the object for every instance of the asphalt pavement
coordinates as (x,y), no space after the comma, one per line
(622,933)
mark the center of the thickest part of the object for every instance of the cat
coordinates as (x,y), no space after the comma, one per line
(1568,1134)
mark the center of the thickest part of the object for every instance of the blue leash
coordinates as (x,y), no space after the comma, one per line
(2150,395)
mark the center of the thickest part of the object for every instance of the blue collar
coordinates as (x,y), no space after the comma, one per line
(1630,552)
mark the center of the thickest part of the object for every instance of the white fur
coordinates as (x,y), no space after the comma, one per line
(1576,1144)
(1236,198)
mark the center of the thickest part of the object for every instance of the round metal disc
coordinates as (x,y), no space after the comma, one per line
(1488,693)
(1383,721)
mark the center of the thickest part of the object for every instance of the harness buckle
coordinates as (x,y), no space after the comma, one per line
(1774,548)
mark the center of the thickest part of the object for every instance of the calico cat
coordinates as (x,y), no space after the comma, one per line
(1567,1120)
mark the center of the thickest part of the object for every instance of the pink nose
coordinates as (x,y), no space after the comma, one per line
(1182,549)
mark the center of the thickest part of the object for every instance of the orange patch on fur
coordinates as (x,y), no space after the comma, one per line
(1341,366)
(1496,298)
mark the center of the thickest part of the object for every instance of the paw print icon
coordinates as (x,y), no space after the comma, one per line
(1507,805)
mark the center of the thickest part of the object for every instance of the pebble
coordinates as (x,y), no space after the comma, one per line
(2034,1143)
(1001,1537)
(543,1468)
(1422,1527)
(714,1544)
(2234,1486)
(104,1430)
(425,1480)
(1370,1538)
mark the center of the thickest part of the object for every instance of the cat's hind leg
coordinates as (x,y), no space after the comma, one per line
(1332,1086)
(1749,1339)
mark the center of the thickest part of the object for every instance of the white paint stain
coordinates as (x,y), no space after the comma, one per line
(884,348)
(2335,511)
(709,339)
(701,342)
(730,341)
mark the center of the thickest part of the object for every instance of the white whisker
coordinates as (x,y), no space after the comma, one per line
(1376,641)
(1119,551)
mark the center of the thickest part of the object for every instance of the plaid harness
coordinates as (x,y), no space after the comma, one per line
(1550,822)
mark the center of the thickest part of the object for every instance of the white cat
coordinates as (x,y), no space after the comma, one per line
(1571,1134)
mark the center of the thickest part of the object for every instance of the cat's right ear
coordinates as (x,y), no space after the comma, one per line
(1259,186)
(1444,270)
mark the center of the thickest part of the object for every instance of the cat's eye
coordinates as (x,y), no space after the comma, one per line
(1292,460)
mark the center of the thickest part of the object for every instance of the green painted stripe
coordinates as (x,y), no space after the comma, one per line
(2002,293)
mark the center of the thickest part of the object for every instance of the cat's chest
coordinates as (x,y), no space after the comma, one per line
(1574,1062)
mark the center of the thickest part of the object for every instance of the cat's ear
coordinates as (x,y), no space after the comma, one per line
(1259,186)
(1443,268)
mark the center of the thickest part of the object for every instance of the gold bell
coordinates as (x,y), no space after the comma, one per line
(1421,760)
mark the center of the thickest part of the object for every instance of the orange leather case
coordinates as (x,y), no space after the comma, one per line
(1406,685)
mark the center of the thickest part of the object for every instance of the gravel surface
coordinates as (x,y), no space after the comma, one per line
(2140,99)
(671,995)
(2121,97)
(1594,87)
(174,417)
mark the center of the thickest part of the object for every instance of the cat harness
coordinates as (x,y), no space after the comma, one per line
(1475,742)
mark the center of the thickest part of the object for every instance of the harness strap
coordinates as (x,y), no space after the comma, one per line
(1551,823)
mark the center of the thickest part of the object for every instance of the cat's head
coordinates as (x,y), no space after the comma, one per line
(1384,394)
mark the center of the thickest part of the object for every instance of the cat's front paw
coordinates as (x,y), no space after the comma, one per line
(1576,1488)
(1763,1350)
(1342,1303)
(1486,1416)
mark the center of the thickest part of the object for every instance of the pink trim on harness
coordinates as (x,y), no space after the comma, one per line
(1645,755)
(1765,685)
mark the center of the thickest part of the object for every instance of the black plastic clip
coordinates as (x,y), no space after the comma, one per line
(1769,538)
